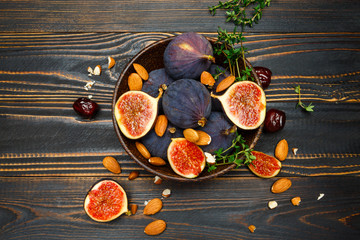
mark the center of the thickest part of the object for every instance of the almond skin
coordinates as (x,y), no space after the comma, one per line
(207,79)
(112,165)
(141,71)
(142,150)
(204,138)
(133,175)
(281,150)
(191,135)
(153,206)
(157,161)
(225,83)
(281,185)
(155,228)
(135,82)
(161,125)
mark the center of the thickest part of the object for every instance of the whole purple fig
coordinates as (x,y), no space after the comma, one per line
(187,56)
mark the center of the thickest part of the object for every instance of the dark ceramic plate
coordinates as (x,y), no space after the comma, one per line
(151,58)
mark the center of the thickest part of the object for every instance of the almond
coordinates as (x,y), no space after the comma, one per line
(252,228)
(157,180)
(166,193)
(204,138)
(142,150)
(161,125)
(191,135)
(281,150)
(225,83)
(111,164)
(141,71)
(155,228)
(133,175)
(153,206)
(133,208)
(207,79)
(97,70)
(157,161)
(281,185)
(296,201)
(111,62)
(135,82)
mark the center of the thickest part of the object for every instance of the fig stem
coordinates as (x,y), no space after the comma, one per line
(213,95)
(202,122)
(161,91)
(229,130)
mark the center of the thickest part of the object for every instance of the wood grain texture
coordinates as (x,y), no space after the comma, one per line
(51,208)
(42,74)
(171,16)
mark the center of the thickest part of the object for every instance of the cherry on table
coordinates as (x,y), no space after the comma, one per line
(275,120)
(264,75)
(85,107)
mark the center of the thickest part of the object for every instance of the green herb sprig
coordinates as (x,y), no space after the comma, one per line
(308,108)
(230,44)
(238,153)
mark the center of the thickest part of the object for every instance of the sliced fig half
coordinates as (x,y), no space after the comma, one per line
(265,166)
(186,158)
(135,113)
(244,103)
(106,201)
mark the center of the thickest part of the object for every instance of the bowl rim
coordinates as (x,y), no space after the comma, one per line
(130,153)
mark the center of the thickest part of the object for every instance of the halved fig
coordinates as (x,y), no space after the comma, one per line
(186,158)
(264,166)
(106,201)
(135,113)
(244,103)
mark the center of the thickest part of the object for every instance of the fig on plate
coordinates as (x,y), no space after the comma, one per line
(221,131)
(136,112)
(157,146)
(264,166)
(106,201)
(244,103)
(157,78)
(187,103)
(186,158)
(187,56)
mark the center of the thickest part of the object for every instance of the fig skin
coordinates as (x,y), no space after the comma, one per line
(157,146)
(187,103)
(157,78)
(222,132)
(187,56)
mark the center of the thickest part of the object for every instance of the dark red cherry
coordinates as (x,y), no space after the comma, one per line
(85,107)
(275,120)
(264,75)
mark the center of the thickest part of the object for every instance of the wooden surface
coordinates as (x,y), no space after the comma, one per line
(50,157)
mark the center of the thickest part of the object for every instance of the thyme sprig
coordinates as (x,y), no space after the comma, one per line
(238,153)
(308,108)
(230,44)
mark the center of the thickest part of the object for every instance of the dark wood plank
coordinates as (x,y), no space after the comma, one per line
(171,16)
(51,208)
(42,74)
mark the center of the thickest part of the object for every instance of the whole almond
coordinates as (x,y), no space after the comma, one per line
(225,83)
(281,185)
(153,206)
(141,71)
(281,150)
(207,79)
(157,161)
(142,150)
(111,164)
(161,125)
(133,175)
(204,138)
(191,135)
(155,228)
(133,208)
(135,82)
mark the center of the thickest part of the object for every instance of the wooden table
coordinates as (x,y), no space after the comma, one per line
(50,157)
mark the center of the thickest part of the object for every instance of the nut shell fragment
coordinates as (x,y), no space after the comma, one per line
(296,201)
(111,62)
(252,228)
